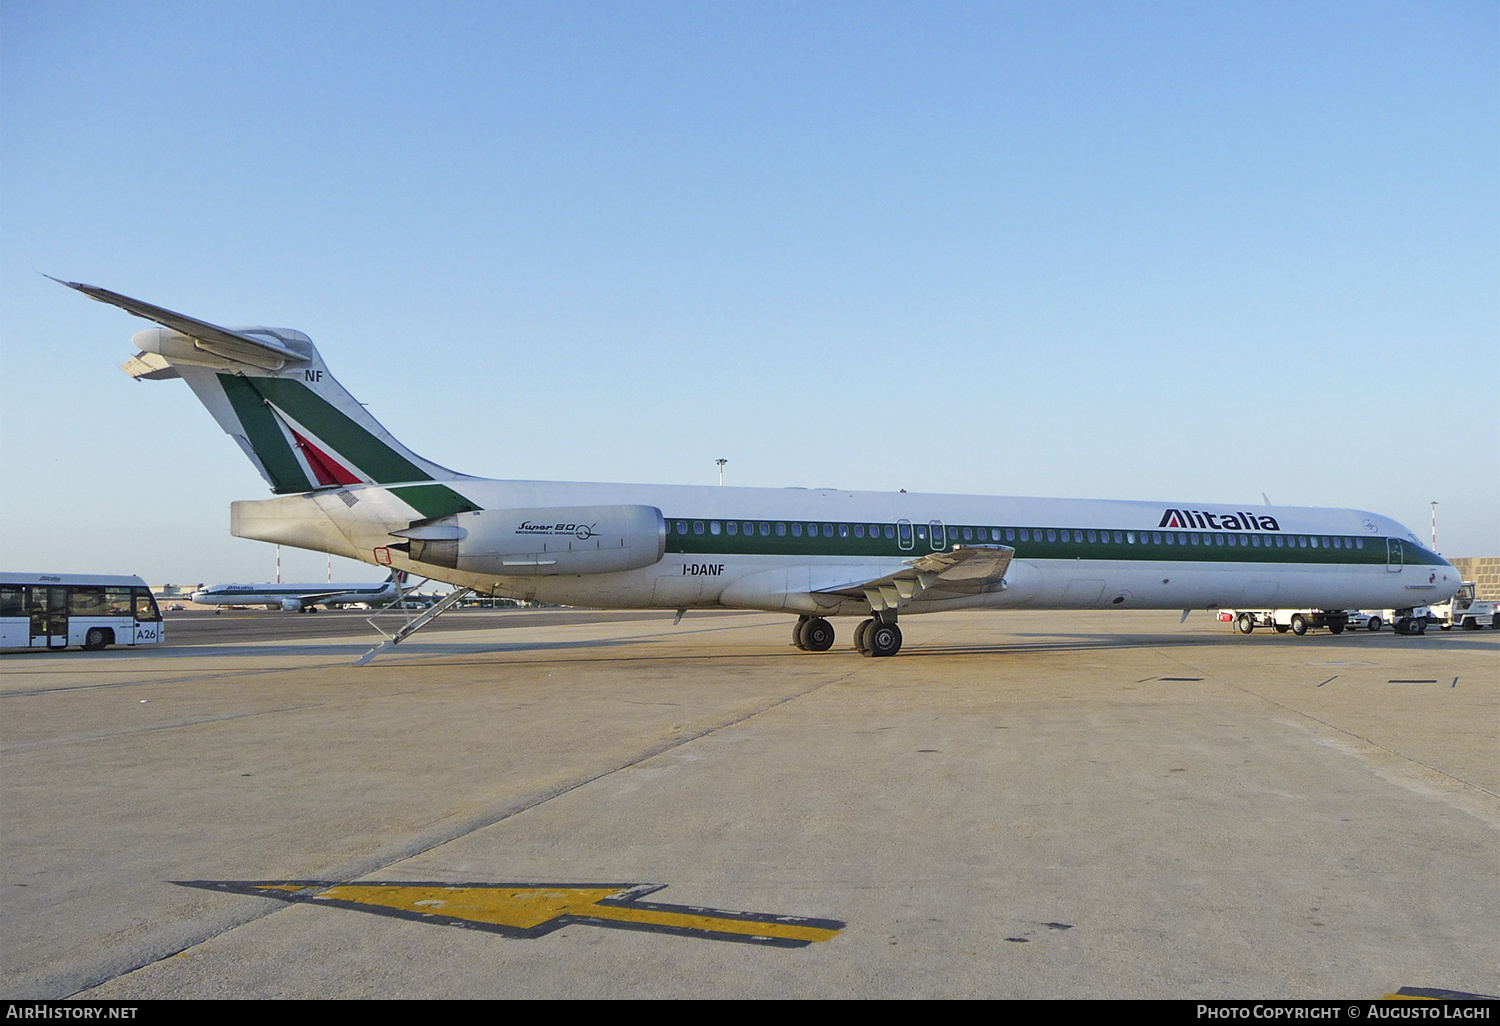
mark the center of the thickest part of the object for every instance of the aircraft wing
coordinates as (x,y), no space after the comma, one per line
(965,570)
(225,342)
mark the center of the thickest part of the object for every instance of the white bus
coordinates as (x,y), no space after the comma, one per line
(90,611)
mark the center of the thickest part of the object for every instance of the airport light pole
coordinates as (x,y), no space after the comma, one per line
(721,463)
(1433,504)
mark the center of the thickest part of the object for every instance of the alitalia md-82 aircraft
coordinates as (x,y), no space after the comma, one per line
(345,485)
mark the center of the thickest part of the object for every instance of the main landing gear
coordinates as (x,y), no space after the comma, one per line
(872,637)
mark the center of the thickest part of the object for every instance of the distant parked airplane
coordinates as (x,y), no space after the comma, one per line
(299,598)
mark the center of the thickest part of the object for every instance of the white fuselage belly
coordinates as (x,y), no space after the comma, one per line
(1034,584)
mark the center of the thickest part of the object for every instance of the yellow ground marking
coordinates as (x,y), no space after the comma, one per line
(526,908)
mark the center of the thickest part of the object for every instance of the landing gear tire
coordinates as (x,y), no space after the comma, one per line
(1281,628)
(1299,625)
(1419,627)
(797,632)
(862,637)
(95,639)
(1375,624)
(1245,622)
(1402,625)
(817,635)
(882,639)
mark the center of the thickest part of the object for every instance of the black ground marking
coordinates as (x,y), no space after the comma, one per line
(1179,678)
(1438,994)
(1330,680)
(1058,926)
(1144,679)
(1394,681)
(1455,683)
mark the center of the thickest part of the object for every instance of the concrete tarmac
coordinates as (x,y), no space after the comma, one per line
(1018,805)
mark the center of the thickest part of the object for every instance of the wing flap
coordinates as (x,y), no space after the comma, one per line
(964,570)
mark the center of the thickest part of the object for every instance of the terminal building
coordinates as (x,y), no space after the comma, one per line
(1484,571)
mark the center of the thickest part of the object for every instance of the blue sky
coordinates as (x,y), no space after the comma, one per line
(1190,252)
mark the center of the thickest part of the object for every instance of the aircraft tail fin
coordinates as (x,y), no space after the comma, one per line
(270,391)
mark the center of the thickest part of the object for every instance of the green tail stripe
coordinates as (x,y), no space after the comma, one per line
(434,500)
(372,457)
(265,436)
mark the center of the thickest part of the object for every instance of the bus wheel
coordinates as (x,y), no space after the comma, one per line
(95,639)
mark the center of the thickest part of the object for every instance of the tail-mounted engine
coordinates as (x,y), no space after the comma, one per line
(534,542)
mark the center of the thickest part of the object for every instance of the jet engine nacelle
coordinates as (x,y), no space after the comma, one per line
(291,605)
(539,542)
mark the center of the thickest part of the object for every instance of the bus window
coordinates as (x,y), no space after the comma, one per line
(145,605)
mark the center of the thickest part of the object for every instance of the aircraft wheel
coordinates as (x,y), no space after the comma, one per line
(883,639)
(1245,622)
(817,635)
(797,632)
(1419,627)
(95,639)
(1299,625)
(862,637)
(1281,628)
(1375,623)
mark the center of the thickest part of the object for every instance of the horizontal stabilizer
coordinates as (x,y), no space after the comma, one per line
(223,342)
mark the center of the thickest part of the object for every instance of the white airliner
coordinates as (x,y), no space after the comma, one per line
(346,486)
(299,598)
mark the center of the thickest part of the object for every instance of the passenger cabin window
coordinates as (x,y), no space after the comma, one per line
(731,527)
(796,530)
(713,527)
(697,527)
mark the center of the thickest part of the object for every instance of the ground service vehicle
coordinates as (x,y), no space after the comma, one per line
(1298,621)
(90,611)
(1464,610)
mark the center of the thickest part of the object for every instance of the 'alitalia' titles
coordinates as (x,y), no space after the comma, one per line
(1197,518)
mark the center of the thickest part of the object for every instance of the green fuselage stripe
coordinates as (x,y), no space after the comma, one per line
(433,500)
(1206,550)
